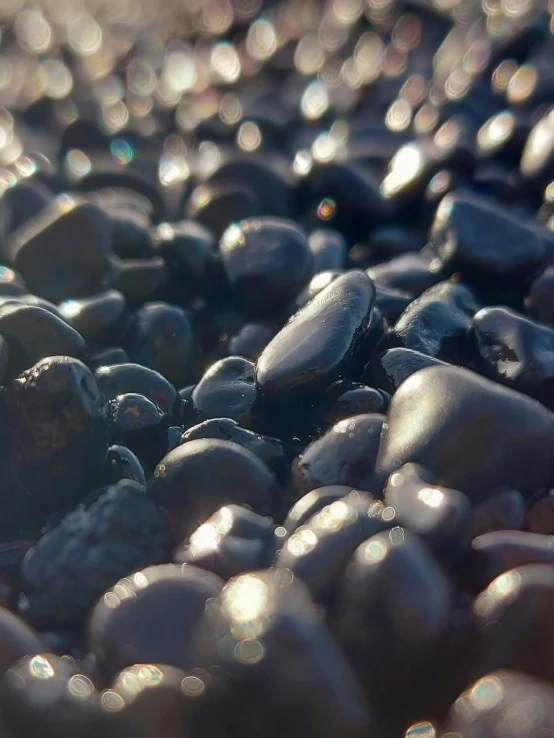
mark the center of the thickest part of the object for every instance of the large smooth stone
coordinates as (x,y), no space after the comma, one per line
(472,434)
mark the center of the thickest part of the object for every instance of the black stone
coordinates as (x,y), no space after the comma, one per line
(227,390)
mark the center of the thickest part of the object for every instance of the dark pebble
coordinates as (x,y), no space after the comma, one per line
(320,341)
(345,455)
(329,250)
(98,319)
(267,262)
(472,434)
(251,340)
(197,478)
(120,379)
(45,252)
(121,463)
(120,630)
(279,669)
(227,390)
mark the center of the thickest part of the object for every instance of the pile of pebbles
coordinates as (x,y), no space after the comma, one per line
(277,369)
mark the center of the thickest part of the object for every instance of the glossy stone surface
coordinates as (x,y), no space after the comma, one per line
(320,341)
(344,399)
(516,351)
(74,563)
(267,261)
(307,506)
(120,629)
(231,541)
(519,603)
(408,272)
(441,517)
(319,550)
(269,450)
(120,379)
(196,479)
(227,390)
(483,241)
(121,463)
(187,248)
(438,323)
(500,703)
(282,671)
(472,434)
(44,252)
(388,370)
(345,455)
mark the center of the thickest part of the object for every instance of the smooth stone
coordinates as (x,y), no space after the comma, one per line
(251,340)
(31,333)
(155,700)
(267,262)
(317,284)
(122,463)
(502,550)
(391,302)
(484,242)
(407,272)
(319,551)
(280,670)
(108,357)
(307,506)
(17,639)
(188,250)
(151,617)
(11,283)
(159,336)
(120,379)
(540,515)
(217,206)
(97,318)
(393,609)
(197,478)
(514,619)
(141,280)
(231,541)
(260,175)
(502,511)
(317,345)
(45,251)
(502,703)
(344,399)
(20,204)
(329,249)
(49,696)
(72,565)
(441,517)
(438,323)
(227,390)
(472,434)
(346,455)
(516,351)
(133,413)
(269,450)
(540,300)
(131,232)
(388,370)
